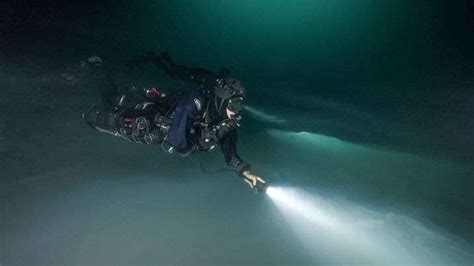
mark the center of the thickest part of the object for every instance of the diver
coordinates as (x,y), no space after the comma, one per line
(199,119)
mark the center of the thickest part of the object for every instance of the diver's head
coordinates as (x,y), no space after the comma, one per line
(234,106)
(229,97)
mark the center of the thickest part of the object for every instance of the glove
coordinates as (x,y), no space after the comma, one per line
(252,180)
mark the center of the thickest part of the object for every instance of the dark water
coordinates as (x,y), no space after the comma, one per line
(365,106)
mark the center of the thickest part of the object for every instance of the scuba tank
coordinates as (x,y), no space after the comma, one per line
(146,123)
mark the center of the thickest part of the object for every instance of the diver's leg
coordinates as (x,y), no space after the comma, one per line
(165,67)
(167,58)
(179,71)
(107,87)
(102,120)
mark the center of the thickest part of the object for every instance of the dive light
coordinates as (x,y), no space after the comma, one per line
(261,187)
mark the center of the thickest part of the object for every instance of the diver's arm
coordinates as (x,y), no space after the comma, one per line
(228,146)
(195,75)
(168,66)
(164,62)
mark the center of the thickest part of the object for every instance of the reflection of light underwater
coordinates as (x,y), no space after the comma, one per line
(264,116)
(340,232)
(293,203)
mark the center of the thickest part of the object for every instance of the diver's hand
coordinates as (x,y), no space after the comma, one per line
(251,179)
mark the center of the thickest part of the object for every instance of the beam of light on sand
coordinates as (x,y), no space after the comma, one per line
(337,231)
(321,222)
(341,232)
(294,204)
